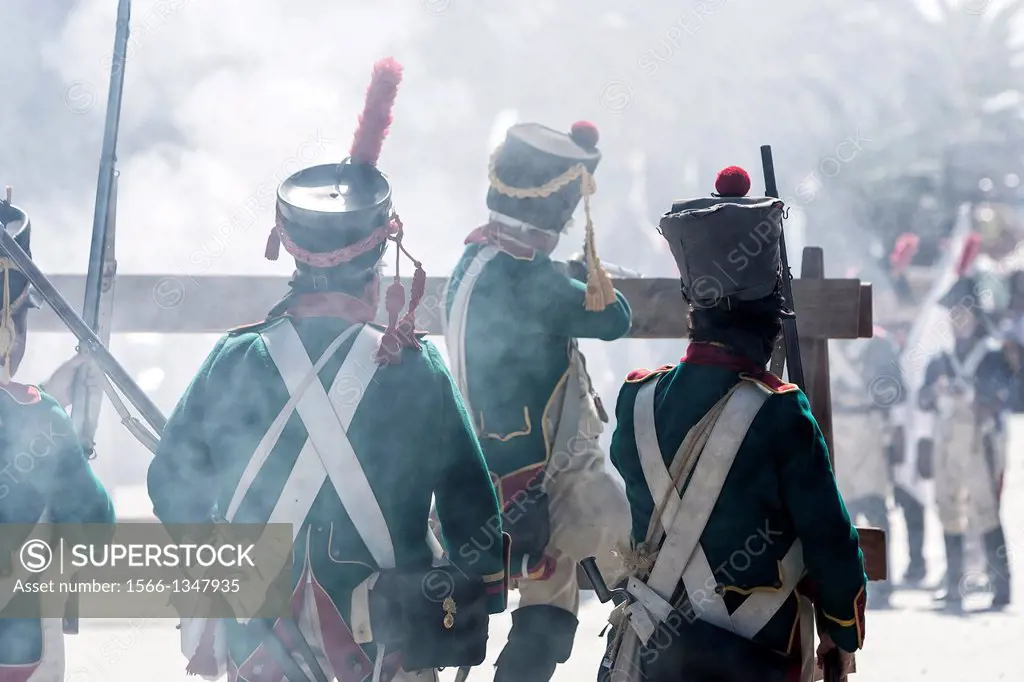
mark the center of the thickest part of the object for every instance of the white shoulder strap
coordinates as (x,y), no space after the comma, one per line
(694,508)
(652,461)
(273,434)
(974,358)
(681,556)
(454,322)
(326,420)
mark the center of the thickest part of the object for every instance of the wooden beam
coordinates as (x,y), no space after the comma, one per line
(209,304)
(867,312)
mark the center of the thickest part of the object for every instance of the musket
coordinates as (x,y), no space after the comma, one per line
(97,308)
(793,362)
(831,665)
(611,268)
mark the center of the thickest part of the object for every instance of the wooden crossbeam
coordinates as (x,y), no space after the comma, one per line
(209,304)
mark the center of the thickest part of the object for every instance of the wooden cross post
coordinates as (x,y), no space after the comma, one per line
(836,315)
(182,304)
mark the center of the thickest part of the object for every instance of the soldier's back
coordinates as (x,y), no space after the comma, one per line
(42,463)
(397,432)
(515,354)
(749,531)
(779,489)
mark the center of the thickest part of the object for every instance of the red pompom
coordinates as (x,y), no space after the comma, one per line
(584,133)
(732,182)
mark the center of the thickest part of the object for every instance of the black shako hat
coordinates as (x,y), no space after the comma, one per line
(14,286)
(538,176)
(535,175)
(727,246)
(339,216)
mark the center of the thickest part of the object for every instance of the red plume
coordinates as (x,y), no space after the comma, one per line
(971,248)
(376,117)
(903,252)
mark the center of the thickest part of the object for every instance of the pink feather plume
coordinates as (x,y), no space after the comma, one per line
(971,249)
(376,118)
(903,251)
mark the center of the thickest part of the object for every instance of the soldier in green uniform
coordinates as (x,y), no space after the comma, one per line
(45,477)
(512,319)
(319,418)
(757,522)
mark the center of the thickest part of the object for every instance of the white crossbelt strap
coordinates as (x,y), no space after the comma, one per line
(965,370)
(681,557)
(454,323)
(326,420)
(659,481)
(302,486)
(684,529)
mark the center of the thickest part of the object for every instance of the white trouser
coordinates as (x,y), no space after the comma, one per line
(859,441)
(589,517)
(965,484)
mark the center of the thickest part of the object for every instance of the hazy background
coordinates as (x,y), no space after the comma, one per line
(879,112)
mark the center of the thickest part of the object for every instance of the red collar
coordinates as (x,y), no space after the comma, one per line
(519,246)
(717,355)
(331,304)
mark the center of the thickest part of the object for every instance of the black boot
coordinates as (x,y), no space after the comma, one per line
(913,513)
(540,639)
(997,563)
(950,597)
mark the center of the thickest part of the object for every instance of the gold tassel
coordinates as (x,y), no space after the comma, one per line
(600,292)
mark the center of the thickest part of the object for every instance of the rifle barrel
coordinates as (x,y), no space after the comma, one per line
(794,363)
(108,159)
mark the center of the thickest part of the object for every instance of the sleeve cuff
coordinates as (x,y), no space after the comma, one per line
(497,595)
(848,633)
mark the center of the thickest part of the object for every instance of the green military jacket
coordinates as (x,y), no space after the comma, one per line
(524,313)
(43,467)
(410,433)
(781,488)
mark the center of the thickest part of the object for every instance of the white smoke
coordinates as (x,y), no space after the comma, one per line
(238,95)
(222,101)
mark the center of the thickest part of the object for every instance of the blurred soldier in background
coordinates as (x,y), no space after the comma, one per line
(967,388)
(513,317)
(866,386)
